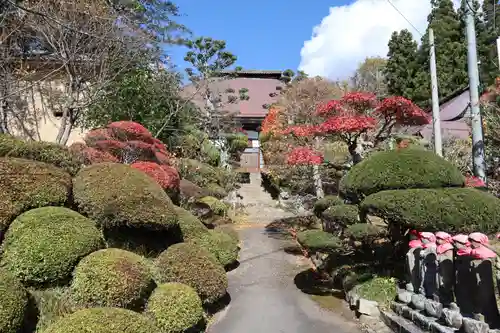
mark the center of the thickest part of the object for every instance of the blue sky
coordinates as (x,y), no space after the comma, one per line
(263,34)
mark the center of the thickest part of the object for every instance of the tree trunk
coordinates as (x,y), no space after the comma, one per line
(318,184)
(67,132)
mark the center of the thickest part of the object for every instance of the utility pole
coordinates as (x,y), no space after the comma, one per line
(477,126)
(498,51)
(436,122)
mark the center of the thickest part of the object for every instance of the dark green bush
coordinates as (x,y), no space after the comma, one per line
(454,210)
(342,215)
(229,230)
(215,205)
(175,307)
(318,240)
(112,277)
(323,204)
(192,265)
(51,153)
(103,320)
(364,232)
(216,191)
(29,184)
(197,172)
(399,169)
(222,246)
(13,303)
(43,245)
(116,195)
(190,191)
(191,227)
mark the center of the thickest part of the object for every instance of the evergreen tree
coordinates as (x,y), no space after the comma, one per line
(400,67)
(487,31)
(451,53)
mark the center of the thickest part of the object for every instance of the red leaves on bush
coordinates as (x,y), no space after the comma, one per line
(360,101)
(347,124)
(271,121)
(98,134)
(166,176)
(130,130)
(403,111)
(300,130)
(163,158)
(159,146)
(91,156)
(304,156)
(329,108)
(113,147)
(473,181)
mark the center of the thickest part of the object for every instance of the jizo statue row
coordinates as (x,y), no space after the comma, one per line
(451,278)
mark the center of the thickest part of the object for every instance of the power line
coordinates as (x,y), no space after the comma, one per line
(404,17)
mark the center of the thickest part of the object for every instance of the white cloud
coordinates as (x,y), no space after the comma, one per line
(353,32)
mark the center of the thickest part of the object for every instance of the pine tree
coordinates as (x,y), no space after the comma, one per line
(487,31)
(400,68)
(451,53)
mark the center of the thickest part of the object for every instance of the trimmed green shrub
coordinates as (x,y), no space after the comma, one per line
(220,245)
(192,265)
(399,169)
(51,153)
(215,205)
(191,227)
(112,277)
(103,320)
(29,184)
(323,204)
(342,215)
(175,307)
(190,191)
(318,240)
(13,303)
(379,289)
(216,191)
(229,230)
(43,245)
(456,210)
(117,195)
(364,232)
(199,173)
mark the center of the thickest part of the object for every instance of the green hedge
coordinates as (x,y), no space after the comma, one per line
(343,215)
(42,246)
(229,230)
(51,153)
(103,320)
(399,169)
(215,205)
(190,264)
(221,245)
(191,227)
(318,240)
(116,195)
(13,303)
(199,173)
(454,210)
(364,232)
(323,204)
(26,184)
(175,307)
(112,278)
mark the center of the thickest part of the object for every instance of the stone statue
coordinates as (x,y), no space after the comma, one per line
(428,286)
(446,270)
(464,281)
(413,260)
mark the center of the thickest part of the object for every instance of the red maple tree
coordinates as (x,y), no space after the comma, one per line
(166,176)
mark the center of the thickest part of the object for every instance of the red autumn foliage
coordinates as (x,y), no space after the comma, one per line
(304,156)
(113,147)
(473,181)
(98,134)
(300,130)
(159,146)
(166,176)
(360,101)
(271,121)
(331,107)
(403,111)
(91,156)
(162,158)
(347,124)
(130,130)
(77,147)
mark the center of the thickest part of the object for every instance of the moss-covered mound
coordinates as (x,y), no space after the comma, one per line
(323,204)
(214,205)
(455,210)
(216,191)
(103,320)
(364,232)
(222,246)
(192,265)
(399,169)
(112,277)
(318,240)
(29,184)
(51,153)
(190,191)
(197,172)
(191,227)
(13,303)
(117,195)
(229,230)
(175,307)
(342,215)
(43,245)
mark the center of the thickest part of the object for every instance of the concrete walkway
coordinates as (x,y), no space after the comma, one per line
(264,297)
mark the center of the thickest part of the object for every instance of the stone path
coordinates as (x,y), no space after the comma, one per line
(264,297)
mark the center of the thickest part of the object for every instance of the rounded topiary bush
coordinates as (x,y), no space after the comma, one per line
(318,240)
(324,203)
(342,215)
(103,320)
(229,230)
(399,169)
(117,195)
(13,303)
(191,227)
(198,172)
(50,153)
(175,307)
(112,277)
(456,210)
(192,265)
(214,205)
(43,245)
(29,184)
(222,246)
(364,232)
(216,191)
